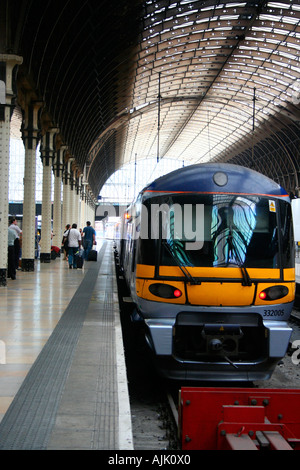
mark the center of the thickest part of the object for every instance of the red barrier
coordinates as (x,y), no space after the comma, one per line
(239,419)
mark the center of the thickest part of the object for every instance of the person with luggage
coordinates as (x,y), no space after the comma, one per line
(74,243)
(89,239)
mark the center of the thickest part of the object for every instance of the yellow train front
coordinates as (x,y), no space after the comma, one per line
(208,254)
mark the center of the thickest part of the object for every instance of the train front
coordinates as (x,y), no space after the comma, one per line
(214,275)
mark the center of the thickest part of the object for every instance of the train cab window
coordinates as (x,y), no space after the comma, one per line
(235,230)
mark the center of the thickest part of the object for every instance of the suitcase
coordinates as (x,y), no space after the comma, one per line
(55,251)
(79,261)
(93,255)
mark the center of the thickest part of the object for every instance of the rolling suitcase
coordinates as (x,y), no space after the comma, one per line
(79,262)
(93,255)
(79,259)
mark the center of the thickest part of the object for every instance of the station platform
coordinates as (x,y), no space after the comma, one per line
(63,383)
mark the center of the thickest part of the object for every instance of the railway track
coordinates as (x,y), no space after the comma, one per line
(152,422)
(154,402)
(155,406)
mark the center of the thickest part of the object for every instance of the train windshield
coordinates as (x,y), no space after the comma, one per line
(218,230)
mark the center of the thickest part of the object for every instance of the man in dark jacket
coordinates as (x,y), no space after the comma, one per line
(89,235)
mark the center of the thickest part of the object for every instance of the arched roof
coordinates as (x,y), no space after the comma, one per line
(192,80)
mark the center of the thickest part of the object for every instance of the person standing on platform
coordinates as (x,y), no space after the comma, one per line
(64,242)
(14,226)
(89,239)
(74,245)
(11,265)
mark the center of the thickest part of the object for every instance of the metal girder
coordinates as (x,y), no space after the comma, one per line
(97,67)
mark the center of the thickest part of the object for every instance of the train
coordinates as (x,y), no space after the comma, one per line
(208,255)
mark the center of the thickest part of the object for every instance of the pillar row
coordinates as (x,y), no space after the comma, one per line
(57,206)
(30,135)
(47,155)
(7,65)
(78,203)
(71,192)
(66,203)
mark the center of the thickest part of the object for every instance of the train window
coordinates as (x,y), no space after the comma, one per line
(287,239)
(236,230)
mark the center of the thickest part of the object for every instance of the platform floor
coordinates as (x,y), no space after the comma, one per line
(63,381)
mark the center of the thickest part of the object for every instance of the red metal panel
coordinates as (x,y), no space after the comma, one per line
(207,415)
(243,414)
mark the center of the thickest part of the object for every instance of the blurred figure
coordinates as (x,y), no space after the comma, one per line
(64,242)
(14,226)
(11,265)
(88,239)
(74,239)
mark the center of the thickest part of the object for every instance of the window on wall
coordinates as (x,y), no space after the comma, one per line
(125,184)
(16,172)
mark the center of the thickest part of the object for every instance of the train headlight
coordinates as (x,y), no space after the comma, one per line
(165,291)
(273,293)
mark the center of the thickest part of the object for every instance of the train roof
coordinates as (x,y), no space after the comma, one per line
(216,178)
